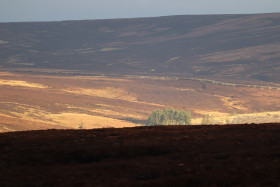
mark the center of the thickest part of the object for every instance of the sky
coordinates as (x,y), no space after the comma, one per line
(57,10)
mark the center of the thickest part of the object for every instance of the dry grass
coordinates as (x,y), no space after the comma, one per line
(209,112)
(110,49)
(263,53)
(20,83)
(234,103)
(3,42)
(185,89)
(120,115)
(261,117)
(96,102)
(108,92)
(99,78)
(66,119)
(75,120)
(173,59)
(6,74)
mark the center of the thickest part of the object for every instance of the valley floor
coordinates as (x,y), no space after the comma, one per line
(40,102)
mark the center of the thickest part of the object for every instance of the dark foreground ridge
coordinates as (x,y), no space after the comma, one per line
(233,155)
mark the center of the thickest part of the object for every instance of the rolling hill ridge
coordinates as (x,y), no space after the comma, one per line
(220,47)
(114,73)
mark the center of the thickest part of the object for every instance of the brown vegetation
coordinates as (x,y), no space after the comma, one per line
(224,47)
(233,155)
(43,101)
(88,74)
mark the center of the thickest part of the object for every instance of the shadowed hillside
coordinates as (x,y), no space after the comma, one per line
(217,47)
(234,155)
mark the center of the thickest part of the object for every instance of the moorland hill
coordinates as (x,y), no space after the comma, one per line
(232,47)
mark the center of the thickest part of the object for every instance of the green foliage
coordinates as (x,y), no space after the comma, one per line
(207,119)
(169,117)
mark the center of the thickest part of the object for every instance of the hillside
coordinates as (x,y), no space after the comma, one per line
(219,47)
(88,74)
(33,102)
(234,155)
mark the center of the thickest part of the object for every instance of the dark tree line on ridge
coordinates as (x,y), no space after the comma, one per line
(169,117)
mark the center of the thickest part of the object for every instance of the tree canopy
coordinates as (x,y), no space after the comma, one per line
(169,117)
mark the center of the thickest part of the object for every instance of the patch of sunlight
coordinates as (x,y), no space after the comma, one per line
(106,49)
(21,83)
(107,92)
(76,120)
(3,42)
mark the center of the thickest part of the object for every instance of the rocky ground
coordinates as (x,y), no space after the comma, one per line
(230,155)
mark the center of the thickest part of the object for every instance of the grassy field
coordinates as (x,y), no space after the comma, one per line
(43,101)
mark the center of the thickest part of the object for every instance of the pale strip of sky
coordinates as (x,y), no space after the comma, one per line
(54,10)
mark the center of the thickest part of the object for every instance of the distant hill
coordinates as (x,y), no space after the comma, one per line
(232,47)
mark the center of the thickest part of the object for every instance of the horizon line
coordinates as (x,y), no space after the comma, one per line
(141,17)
